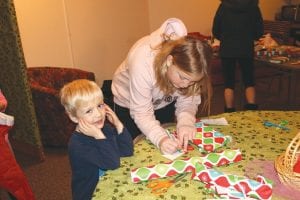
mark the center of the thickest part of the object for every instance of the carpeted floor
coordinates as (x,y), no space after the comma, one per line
(50,180)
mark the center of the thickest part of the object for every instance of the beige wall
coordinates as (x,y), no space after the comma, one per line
(96,34)
(198,14)
(43,32)
(90,34)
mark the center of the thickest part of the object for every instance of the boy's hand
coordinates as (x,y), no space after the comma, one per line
(113,118)
(90,130)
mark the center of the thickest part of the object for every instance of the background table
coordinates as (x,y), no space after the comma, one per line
(291,70)
(255,141)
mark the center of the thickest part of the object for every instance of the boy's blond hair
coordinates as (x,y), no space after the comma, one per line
(77,93)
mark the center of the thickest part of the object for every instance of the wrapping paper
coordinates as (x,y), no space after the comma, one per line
(232,186)
(256,142)
(266,167)
(207,139)
(185,165)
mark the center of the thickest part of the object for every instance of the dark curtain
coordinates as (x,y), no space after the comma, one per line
(25,135)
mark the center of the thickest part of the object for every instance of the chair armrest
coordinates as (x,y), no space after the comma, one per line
(38,88)
(46,101)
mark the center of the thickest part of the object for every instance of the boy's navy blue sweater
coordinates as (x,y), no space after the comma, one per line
(87,155)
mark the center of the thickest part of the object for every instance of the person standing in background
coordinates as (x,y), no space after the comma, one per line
(237,24)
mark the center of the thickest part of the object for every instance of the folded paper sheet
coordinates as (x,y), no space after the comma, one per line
(218,121)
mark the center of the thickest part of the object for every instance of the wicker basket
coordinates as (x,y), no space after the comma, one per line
(285,162)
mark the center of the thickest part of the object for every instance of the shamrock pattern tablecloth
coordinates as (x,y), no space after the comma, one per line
(249,134)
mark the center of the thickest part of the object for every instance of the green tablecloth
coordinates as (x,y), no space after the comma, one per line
(256,142)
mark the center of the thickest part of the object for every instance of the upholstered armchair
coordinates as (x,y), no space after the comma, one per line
(45,83)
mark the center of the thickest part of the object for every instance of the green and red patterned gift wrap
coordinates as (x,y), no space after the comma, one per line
(207,139)
(232,186)
(221,185)
(163,170)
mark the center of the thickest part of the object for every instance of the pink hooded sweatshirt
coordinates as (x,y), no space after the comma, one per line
(134,85)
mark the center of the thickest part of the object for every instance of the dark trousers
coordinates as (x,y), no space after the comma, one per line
(164,115)
(246,67)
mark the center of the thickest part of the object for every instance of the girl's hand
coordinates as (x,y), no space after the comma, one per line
(185,134)
(168,145)
(113,118)
(90,130)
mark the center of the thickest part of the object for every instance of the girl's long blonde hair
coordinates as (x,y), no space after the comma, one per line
(190,55)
